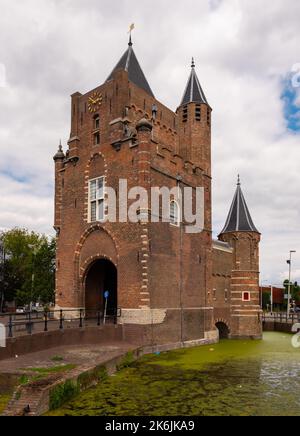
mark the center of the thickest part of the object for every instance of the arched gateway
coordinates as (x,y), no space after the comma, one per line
(223,328)
(101,277)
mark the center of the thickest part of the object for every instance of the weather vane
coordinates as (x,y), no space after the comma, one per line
(131,28)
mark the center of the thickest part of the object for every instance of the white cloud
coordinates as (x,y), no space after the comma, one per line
(243,51)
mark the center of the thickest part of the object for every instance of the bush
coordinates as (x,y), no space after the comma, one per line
(127,361)
(63,393)
(87,379)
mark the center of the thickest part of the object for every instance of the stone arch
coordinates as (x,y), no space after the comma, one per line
(95,243)
(100,277)
(85,267)
(224,328)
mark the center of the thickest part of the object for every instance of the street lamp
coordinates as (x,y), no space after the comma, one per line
(289,262)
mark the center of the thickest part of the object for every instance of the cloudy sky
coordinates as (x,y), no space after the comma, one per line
(248,61)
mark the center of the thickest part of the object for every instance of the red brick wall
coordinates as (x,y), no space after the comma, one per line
(245,316)
(159,266)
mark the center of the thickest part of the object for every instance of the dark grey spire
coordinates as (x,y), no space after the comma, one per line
(129,63)
(193,92)
(239,218)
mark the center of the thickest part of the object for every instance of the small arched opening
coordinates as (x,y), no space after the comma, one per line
(223,328)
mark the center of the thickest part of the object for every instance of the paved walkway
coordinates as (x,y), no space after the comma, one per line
(75,355)
(33,399)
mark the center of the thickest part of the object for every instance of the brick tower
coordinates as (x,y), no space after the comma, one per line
(195,125)
(157,273)
(243,237)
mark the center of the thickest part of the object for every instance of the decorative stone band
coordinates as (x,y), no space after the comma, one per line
(143,316)
(146,316)
(209,339)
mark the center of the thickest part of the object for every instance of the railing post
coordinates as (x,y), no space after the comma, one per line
(29,324)
(61,321)
(46,321)
(80,319)
(10,327)
(98,318)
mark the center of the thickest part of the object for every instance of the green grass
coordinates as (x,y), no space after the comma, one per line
(8,383)
(24,380)
(52,370)
(4,400)
(57,359)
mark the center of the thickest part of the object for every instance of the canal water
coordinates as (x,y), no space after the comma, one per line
(232,378)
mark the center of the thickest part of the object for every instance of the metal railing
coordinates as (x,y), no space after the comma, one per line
(28,323)
(281,317)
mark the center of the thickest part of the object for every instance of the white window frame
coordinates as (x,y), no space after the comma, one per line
(175,220)
(226,295)
(99,198)
(215,294)
(243,296)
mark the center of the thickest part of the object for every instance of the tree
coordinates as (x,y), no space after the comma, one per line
(294,289)
(266,299)
(28,273)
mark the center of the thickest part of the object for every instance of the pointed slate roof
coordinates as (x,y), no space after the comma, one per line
(239,218)
(193,92)
(129,63)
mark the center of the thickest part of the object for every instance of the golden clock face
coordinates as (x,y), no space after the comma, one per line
(95,102)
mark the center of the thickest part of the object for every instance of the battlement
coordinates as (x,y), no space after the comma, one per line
(165,157)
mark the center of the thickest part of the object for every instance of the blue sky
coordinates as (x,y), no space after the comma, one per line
(291,105)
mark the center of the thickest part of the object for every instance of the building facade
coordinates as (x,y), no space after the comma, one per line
(166,281)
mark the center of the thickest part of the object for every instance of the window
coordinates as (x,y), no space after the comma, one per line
(208,116)
(246,296)
(198,112)
(185,114)
(96,200)
(97,122)
(174,213)
(97,138)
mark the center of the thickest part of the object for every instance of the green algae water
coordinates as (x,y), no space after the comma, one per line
(232,378)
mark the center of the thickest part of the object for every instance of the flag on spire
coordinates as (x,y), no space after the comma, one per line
(131,28)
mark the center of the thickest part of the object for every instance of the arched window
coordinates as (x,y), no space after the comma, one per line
(174,213)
